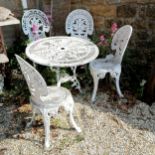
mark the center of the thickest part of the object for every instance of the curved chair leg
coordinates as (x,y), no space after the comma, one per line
(76,82)
(78,129)
(32,119)
(46,119)
(117,85)
(58,76)
(35,66)
(95,80)
(69,107)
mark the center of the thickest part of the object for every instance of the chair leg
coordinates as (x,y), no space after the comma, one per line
(76,82)
(35,66)
(69,106)
(32,119)
(46,119)
(58,76)
(78,129)
(117,85)
(95,80)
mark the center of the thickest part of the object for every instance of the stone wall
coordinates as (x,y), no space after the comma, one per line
(138,13)
(60,11)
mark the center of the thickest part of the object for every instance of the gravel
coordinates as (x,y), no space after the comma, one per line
(106,130)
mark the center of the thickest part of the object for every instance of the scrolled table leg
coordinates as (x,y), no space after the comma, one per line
(76,82)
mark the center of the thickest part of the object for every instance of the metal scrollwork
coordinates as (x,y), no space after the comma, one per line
(35,24)
(79,23)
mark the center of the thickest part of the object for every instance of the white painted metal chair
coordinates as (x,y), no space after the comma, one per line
(46,100)
(35,24)
(112,63)
(79,23)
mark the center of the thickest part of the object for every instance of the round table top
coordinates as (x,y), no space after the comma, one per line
(62,51)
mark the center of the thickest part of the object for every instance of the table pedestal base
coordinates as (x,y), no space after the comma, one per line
(65,78)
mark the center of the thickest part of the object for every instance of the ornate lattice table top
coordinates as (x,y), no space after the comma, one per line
(62,51)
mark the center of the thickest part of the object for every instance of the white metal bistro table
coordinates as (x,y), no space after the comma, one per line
(62,51)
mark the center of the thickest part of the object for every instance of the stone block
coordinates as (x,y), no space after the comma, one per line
(128,21)
(153,41)
(108,22)
(99,23)
(75,1)
(144,44)
(143,35)
(58,4)
(127,11)
(137,1)
(113,1)
(150,12)
(142,11)
(104,11)
(128,1)
(93,2)
(140,23)
(151,25)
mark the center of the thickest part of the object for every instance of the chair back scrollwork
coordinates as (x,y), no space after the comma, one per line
(79,23)
(120,42)
(35,24)
(35,81)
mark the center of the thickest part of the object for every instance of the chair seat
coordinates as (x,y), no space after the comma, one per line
(104,65)
(56,95)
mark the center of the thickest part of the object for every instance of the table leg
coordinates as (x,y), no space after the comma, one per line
(58,76)
(76,82)
(65,78)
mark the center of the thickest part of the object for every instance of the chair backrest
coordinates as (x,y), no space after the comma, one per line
(34,24)
(35,81)
(120,41)
(79,23)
